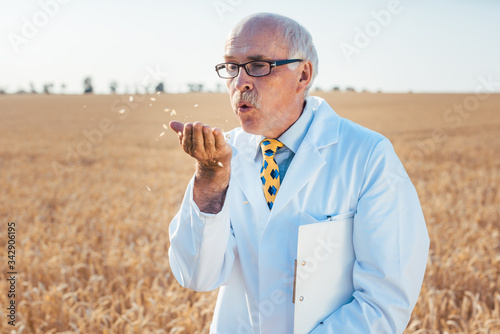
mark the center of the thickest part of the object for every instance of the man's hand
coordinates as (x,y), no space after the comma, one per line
(213,163)
(207,145)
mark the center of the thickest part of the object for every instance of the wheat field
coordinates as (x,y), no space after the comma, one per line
(93,181)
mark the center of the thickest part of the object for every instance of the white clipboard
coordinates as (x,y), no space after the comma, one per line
(323,274)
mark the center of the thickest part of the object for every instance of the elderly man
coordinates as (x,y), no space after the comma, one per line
(295,170)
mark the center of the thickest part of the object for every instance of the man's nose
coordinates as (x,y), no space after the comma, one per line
(243,81)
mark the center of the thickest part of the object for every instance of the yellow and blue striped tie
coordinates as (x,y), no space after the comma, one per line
(269,173)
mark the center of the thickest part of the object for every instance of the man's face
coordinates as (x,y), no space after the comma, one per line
(277,95)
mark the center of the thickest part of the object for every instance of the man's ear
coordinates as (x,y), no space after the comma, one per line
(305,75)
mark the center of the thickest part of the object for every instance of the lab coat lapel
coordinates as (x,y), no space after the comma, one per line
(305,164)
(247,174)
(324,131)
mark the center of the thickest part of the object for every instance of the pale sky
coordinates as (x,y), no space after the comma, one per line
(422,45)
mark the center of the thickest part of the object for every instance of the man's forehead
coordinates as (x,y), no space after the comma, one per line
(254,51)
(254,44)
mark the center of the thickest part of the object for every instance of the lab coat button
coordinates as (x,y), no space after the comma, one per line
(301,298)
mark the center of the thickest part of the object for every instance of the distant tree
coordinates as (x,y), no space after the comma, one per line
(195,87)
(219,88)
(2,91)
(47,88)
(336,88)
(350,89)
(112,87)
(159,88)
(63,88)
(32,89)
(87,86)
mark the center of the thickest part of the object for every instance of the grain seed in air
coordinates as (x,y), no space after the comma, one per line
(131,98)
(246,202)
(195,105)
(121,111)
(166,110)
(173,112)
(152,99)
(220,164)
(149,189)
(161,134)
(165,126)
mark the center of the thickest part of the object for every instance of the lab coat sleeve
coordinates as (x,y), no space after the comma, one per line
(202,246)
(391,245)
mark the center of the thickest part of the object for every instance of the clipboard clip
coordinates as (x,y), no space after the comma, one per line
(294,281)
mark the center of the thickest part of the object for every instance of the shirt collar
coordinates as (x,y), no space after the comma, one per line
(292,138)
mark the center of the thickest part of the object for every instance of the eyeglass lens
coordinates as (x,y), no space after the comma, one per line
(257,68)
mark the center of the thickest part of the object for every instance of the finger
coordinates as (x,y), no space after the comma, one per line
(187,140)
(198,141)
(176,126)
(209,138)
(220,140)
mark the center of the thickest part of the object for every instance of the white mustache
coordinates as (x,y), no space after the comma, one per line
(250,97)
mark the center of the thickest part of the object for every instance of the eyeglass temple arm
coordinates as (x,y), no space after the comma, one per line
(284,62)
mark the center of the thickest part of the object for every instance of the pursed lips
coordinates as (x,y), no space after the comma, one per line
(243,106)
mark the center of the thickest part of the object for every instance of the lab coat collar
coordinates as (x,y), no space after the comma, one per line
(324,129)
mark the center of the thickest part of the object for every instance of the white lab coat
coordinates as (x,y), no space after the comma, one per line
(340,168)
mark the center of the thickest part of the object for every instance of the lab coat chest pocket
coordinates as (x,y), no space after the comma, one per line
(305,218)
(325,259)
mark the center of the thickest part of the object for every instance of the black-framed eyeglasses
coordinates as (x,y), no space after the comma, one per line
(254,68)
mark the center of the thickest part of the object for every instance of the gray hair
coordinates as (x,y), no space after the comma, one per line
(296,37)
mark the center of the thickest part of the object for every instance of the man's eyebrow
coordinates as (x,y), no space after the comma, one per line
(257,57)
(248,58)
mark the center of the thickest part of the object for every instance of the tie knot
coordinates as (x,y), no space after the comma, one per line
(269,147)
